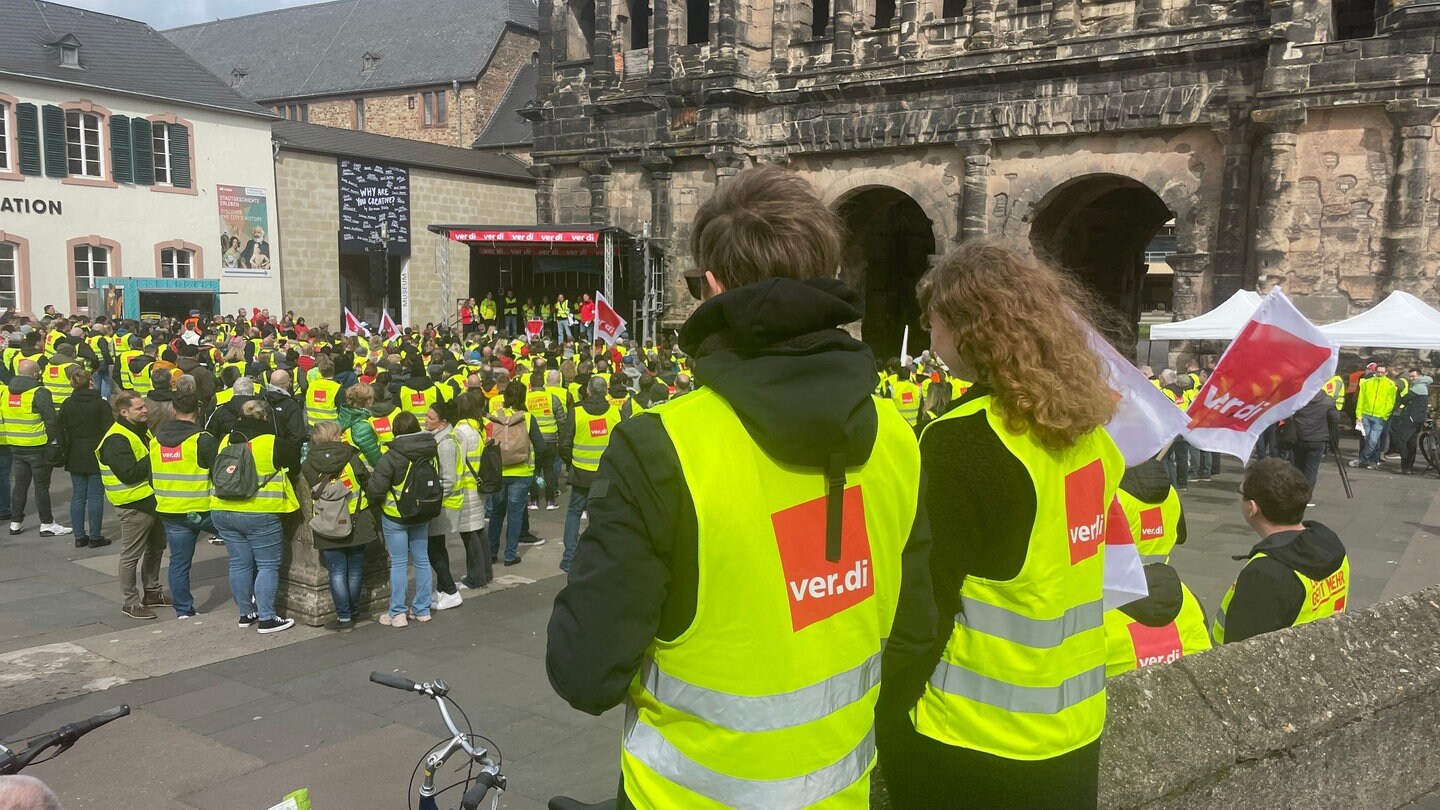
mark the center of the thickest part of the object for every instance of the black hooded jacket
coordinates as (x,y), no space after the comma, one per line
(1268,595)
(1149,483)
(1166,596)
(802,389)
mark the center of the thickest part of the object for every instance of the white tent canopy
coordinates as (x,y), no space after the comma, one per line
(1401,321)
(1221,323)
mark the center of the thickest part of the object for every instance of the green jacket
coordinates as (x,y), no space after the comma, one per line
(362,434)
(1376,397)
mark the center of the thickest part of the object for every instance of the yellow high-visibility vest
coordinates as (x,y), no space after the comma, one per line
(57,379)
(320,405)
(118,492)
(1132,645)
(384,430)
(1323,597)
(1023,673)
(768,699)
(906,396)
(276,495)
(542,407)
(23,426)
(592,436)
(1155,527)
(418,402)
(181,484)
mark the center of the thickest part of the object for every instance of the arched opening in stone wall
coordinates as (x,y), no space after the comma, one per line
(888,247)
(1099,226)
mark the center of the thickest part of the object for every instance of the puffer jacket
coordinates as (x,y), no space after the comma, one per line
(329,458)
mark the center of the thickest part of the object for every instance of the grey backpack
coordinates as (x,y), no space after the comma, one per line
(330,517)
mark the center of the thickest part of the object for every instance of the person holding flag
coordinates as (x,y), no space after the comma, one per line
(608,323)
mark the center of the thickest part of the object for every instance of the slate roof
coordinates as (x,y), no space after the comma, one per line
(116,54)
(506,127)
(301,137)
(319,50)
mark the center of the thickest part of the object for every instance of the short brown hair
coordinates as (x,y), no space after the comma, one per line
(1278,489)
(766,222)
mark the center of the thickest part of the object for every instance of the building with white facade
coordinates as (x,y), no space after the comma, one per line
(122,157)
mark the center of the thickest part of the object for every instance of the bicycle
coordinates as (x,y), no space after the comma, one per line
(64,737)
(477,785)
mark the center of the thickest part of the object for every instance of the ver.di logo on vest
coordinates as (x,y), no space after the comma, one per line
(598,428)
(1152,524)
(815,587)
(170,453)
(1085,510)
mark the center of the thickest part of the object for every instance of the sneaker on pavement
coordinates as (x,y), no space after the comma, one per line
(1309,506)
(82,542)
(15,527)
(138,612)
(156,599)
(552,504)
(184,616)
(275,625)
(248,620)
(445,601)
(215,540)
(340,625)
(99,542)
(417,617)
(515,561)
(53,530)
(1354,463)
(534,505)
(532,540)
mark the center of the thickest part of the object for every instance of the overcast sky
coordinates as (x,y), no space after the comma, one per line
(162,14)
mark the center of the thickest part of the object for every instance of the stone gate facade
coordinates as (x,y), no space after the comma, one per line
(1290,141)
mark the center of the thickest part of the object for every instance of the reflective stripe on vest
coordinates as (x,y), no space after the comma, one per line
(181,484)
(1155,526)
(57,379)
(1132,645)
(127,380)
(592,436)
(768,699)
(542,407)
(116,491)
(140,381)
(276,495)
(23,425)
(1323,597)
(1023,673)
(320,401)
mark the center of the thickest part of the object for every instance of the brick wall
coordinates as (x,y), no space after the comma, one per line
(308,202)
(513,52)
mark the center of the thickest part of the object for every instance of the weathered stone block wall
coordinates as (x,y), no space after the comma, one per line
(308,203)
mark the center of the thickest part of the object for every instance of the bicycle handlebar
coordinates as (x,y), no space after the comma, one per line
(65,736)
(395,682)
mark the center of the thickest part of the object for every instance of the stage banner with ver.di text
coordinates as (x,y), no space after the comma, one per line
(244,230)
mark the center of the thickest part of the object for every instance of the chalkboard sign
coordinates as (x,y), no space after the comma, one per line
(372,193)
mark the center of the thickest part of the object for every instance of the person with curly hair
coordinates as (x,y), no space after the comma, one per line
(1007,706)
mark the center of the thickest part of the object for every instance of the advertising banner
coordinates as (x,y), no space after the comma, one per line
(244,231)
(371,195)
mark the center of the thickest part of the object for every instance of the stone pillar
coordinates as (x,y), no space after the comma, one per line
(660,42)
(1279,134)
(660,169)
(727,164)
(782,30)
(598,180)
(727,35)
(975,191)
(843,48)
(1230,265)
(982,25)
(304,592)
(1063,20)
(1149,14)
(1405,231)
(1191,293)
(910,29)
(544,175)
(602,70)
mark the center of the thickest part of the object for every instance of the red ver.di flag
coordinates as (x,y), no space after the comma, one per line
(1274,366)
(608,323)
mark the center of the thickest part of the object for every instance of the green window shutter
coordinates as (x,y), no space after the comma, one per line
(27,119)
(54,118)
(179,156)
(141,157)
(120,148)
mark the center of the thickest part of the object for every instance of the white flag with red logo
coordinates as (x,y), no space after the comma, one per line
(1272,369)
(1124,572)
(608,323)
(352,323)
(388,329)
(1145,419)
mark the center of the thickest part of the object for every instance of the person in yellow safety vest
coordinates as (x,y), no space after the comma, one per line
(31,428)
(548,408)
(510,308)
(323,397)
(181,454)
(506,507)
(495,400)
(1297,573)
(1374,403)
(905,395)
(753,683)
(562,319)
(1162,627)
(439,422)
(142,366)
(487,310)
(620,398)
(57,373)
(1335,389)
(469,431)
(1023,478)
(29,349)
(100,345)
(1152,508)
(419,392)
(330,460)
(251,527)
(124,456)
(59,329)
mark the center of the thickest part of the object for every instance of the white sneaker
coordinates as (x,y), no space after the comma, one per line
(445,601)
(53,530)
(15,528)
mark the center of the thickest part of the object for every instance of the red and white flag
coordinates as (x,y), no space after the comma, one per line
(1145,420)
(388,329)
(1124,572)
(352,323)
(1272,369)
(608,323)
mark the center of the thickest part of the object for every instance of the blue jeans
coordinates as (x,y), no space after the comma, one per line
(181,535)
(512,325)
(87,499)
(102,382)
(1374,431)
(511,499)
(408,545)
(5,458)
(578,498)
(347,573)
(253,541)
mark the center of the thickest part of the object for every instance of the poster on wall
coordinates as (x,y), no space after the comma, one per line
(244,231)
(372,194)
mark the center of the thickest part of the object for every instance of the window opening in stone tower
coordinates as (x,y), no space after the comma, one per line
(1354,19)
(884,13)
(820,23)
(952,9)
(697,22)
(581,29)
(639,24)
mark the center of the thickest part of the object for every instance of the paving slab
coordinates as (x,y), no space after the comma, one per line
(39,675)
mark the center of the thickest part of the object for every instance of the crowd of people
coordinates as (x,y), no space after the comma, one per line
(558,319)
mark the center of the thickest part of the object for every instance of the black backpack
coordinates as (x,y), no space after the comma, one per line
(421,493)
(492,469)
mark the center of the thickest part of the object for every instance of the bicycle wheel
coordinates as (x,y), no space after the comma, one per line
(1430,449)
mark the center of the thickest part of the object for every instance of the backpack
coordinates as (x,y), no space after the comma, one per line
(512,439)
(330,515)
(490,477)
(421,493)
(233,474)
